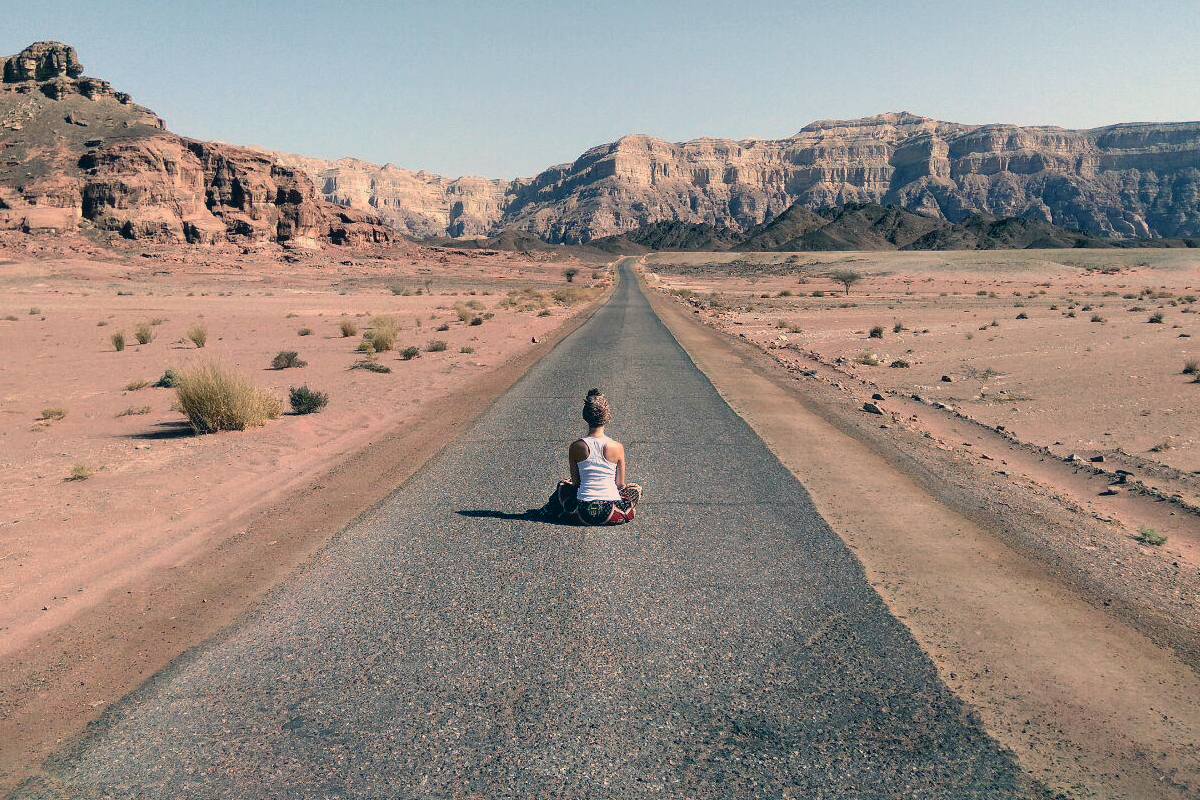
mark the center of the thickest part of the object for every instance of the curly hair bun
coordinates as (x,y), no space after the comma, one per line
(595,408)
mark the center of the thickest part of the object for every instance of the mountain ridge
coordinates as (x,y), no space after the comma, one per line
(1124,180)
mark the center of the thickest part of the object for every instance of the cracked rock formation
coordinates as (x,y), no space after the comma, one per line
(75,152)
(1127,180)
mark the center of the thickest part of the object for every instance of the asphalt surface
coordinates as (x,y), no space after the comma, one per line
(724,644)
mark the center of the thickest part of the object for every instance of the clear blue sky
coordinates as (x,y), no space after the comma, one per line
(509,87)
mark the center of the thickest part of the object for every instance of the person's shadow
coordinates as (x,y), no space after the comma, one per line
(530,515)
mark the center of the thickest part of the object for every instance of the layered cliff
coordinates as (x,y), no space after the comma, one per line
(73,149)
(1128,180)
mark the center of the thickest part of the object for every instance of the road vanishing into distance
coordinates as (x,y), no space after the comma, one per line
(723,645)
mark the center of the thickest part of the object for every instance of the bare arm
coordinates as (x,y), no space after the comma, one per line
(615,452)
(577,453)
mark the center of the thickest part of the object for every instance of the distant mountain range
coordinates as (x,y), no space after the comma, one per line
(76,152)
(1121,181)
(867,226)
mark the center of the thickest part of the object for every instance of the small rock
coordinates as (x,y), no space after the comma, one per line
(918,398)
(871,408)
(534,339)
(877,396)
(1110,491)
(1072,458)
(1097,459)
(947,379)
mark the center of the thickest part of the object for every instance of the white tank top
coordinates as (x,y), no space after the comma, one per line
(597,475)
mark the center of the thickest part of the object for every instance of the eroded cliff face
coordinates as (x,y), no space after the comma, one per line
(1123,180)
(72,149)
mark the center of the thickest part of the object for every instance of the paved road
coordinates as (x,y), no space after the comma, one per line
(724,645)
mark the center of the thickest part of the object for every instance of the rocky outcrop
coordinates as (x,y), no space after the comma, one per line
(1128,180)
(73,150)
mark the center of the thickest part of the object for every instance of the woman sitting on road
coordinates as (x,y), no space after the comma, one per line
(597,493)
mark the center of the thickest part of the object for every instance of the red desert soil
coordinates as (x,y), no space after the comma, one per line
(104,580)
(1021,577)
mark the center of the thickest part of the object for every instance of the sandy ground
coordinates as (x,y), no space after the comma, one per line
(1021,578)
(103,580)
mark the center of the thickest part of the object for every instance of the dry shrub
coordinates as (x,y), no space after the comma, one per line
(198,333)
(53,412)
(118,340)
(134,385)
(382,335)
(134,411)
(1191,367)
(216,398)
(305,400)
(81,471)
(876,332)
(867,359)
(435,346)
(410,352)
(143,332)
(305,332)
(348,328)
(467,349)
(464,313)
(573,295)
(286,359)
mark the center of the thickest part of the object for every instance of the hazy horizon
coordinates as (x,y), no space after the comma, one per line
(506,90)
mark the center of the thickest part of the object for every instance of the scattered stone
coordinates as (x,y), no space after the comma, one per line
(1110,491)
(877,396)
(918,398)
(947,379)
(1097,459)
(534,339)
(1072,458)
(871,408)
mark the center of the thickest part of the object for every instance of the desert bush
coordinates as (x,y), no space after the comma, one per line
(684,293)
(158,321)
(215,398)
(306,401)
(382,335)
(1161,447)
(33,312)
(134,385)
(970,336)
(981,293)
(845,277)
(1191,367)
(348,327)
(286,359)
(781,323)
(1097,318)
(867,359)
(1148,535)
(785,293)
(1156,318)
(143,333)
(134,411)
(899,363)
(1022,315)
(305,331)
(818,293)
(290,315)
(169,379)
(464,313)
(898,327)
(435,346)
(569,296)
(198,333)
(370,366)
(53,412)
(410,352)
(118,340)
(876,332)
(396,287)
(81,471)
(466,349)
(569,273)
(12,318)
(445,326)
(479,320)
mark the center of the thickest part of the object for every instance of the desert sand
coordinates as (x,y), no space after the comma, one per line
(105,578)
(1018,570)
